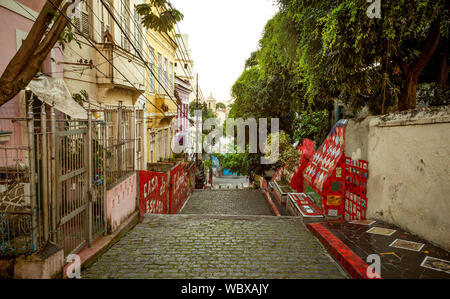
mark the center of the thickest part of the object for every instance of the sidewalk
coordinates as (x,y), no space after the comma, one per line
(403,255)
(88,256)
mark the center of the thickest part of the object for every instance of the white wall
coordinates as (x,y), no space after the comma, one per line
(409,170)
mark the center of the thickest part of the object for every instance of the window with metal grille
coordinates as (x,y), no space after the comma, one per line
(123,39)
(159,74)
(81,18)
(166,76)
(151,61)
(171,79)
(159,145)
(138,31)
(125,24)
(85,23)
(105,20)
(152,146)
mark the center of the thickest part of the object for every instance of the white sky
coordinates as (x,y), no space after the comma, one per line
(222,35)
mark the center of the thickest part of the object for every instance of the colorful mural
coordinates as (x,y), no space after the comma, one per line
(325,173)
(356,175)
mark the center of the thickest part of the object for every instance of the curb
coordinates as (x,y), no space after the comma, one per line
(271,204)
(103,243)
(352,263)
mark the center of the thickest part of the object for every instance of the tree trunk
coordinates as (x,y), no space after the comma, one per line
(411,73)
(34,50)
(407,98)
(441,81)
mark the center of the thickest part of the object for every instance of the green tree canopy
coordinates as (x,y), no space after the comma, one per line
(221,105)
(366,61)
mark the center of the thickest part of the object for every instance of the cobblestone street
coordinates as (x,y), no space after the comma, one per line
(228,202)
(217,246)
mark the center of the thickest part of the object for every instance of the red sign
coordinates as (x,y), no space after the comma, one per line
(153,187)
(178,191)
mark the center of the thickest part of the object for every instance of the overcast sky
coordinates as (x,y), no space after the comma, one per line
(222,34)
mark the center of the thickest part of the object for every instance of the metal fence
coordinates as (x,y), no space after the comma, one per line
(120,146)
(16,223)
(71,169)
(54,173)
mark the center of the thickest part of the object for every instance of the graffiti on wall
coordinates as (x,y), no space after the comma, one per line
(178,192)
(153,188)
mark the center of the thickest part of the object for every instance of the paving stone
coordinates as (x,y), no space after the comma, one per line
(279,247)
(228,202)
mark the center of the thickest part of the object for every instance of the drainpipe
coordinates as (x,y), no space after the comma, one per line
(53,172)
(105,144)
(31,157)
(44,161)
(90,172)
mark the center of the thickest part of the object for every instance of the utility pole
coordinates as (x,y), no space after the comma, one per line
(196,122)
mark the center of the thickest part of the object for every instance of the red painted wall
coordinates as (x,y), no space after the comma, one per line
(153,192)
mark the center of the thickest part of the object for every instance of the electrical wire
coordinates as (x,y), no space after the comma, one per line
(139,27)
(108,9)
(98,50)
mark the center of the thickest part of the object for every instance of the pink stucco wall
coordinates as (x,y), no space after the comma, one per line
(11,21)
(35,5)
(121,202)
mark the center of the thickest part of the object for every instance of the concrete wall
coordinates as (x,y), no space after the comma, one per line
(121,202)
(409,169)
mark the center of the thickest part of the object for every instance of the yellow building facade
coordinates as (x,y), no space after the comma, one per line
(160,49)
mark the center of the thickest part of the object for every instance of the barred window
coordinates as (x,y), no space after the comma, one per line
(81,19)
(138,31)
(151,59)
(105,20)
(171,79)
(166,76)
(160,74)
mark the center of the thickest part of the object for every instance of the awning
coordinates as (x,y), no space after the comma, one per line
(54,91)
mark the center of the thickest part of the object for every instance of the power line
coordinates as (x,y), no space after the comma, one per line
(143,36)
(95,66)
(98,50)
(136,50)
(139,28)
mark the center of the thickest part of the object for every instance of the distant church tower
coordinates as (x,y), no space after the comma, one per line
(211,102)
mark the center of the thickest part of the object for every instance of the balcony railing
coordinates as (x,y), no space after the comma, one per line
(123,69)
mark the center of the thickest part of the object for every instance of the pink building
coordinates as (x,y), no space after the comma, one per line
(17,18)
(183,89)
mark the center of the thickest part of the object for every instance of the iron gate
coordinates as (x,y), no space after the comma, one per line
(53,185)
(80,186)
(71,189)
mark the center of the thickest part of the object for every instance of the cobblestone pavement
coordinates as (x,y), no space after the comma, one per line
(228,202)
(214,246)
